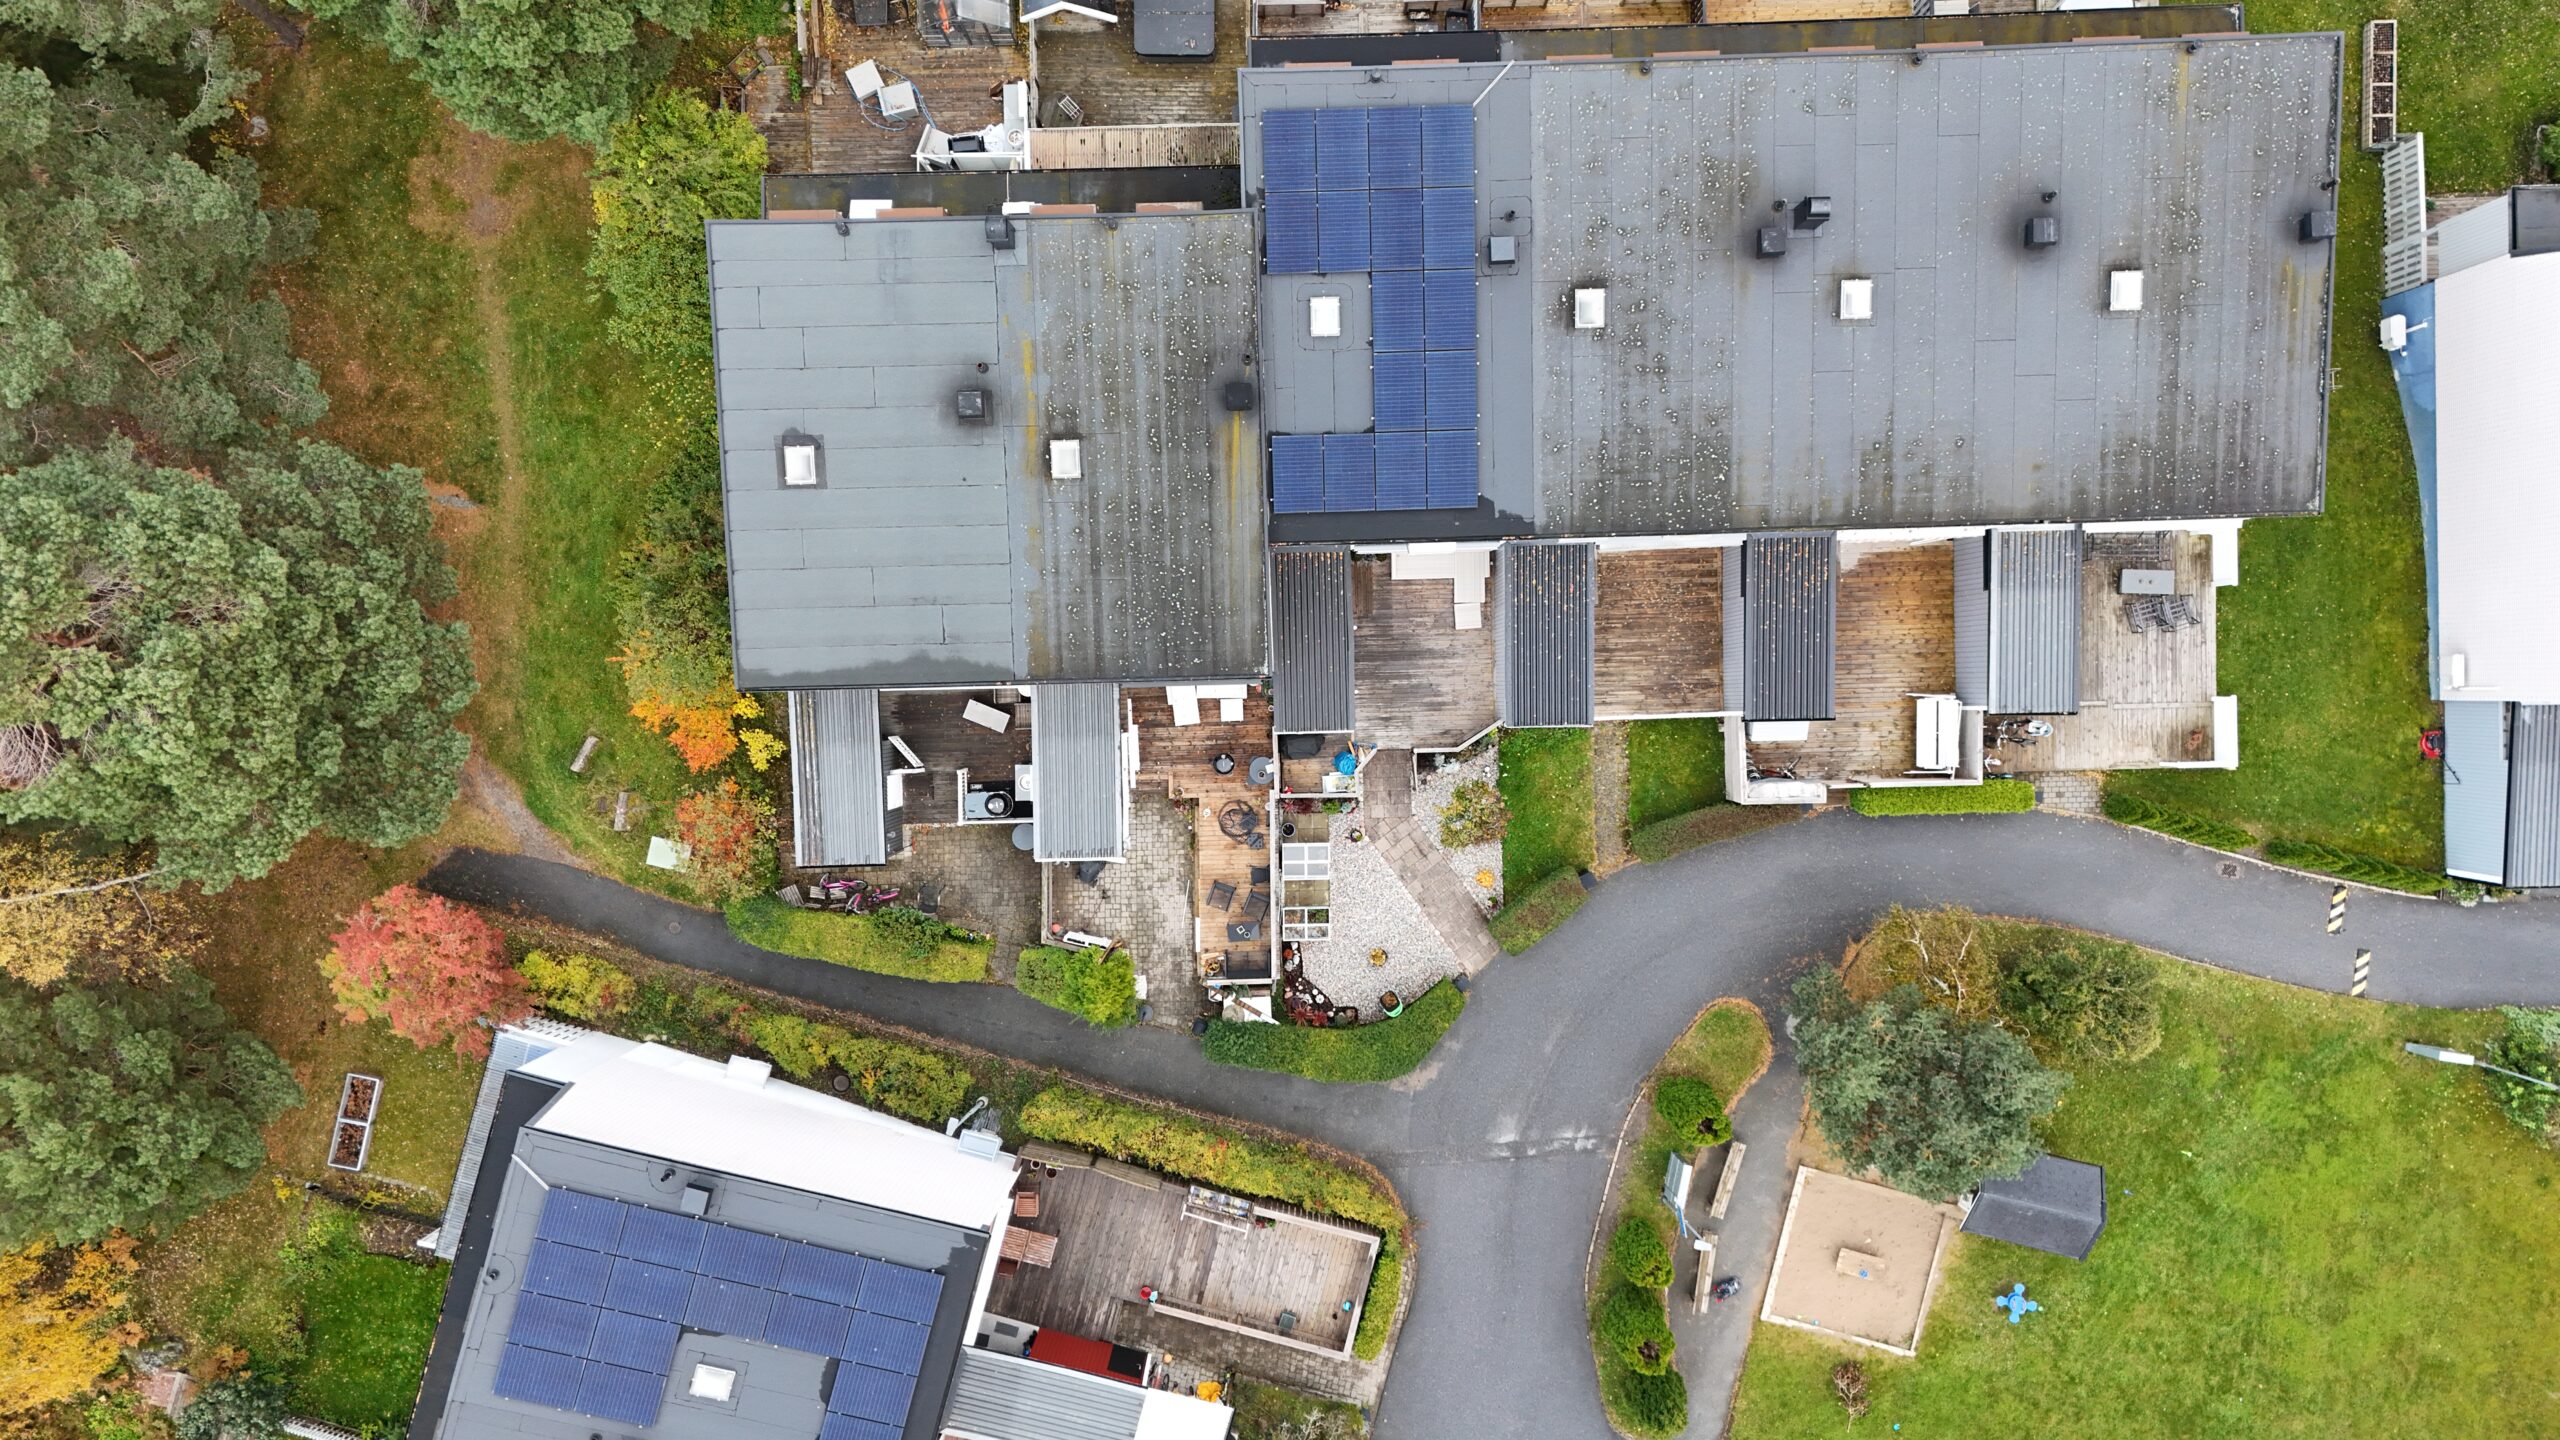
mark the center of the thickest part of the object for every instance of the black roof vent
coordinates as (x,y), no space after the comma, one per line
(2043,232)
(999,231)
(1773,241)
(2319,225)
(1813,212)
(1236,395)
(970,404)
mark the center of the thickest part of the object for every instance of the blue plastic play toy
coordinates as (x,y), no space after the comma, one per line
(2016,1303)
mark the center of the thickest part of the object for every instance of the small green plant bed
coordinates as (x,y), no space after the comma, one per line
(1268,1412)
(1099,986)
(2369,870)
(1991,797)
(1546,788)
(2130,809)
(1381,1050)
(1674,767)
(1683,833)
(895,941)
(1527,919)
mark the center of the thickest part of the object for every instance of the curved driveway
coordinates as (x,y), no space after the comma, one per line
(1501,1144)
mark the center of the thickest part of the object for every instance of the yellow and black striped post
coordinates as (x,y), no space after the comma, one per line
(2337,909)
(2364,973)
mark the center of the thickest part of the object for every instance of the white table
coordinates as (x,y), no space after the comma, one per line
(987,715)
(2147,582)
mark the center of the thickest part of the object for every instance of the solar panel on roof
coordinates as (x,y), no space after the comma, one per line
(1395,146)
(1396,394)
(547,1322)
(870,1394)
(1450,385)
(1401,470)
(661,1238)
(800,1323)
(1350,472)
(884,1343)
(901,1291)
(1395,228)
(1449,228)
(1289,150)
(589,1222)
(822,1274)
(640,1288)
(1449,309)
(1289,233)
(1448,145)
(849,1427)
(567,1272)
(1342,230)
(1395,310)
(634,1342)
(743,1256)
(1342,150)
(610,1392)
(725,1307)
(539,1377)
(1449,480)
(1297,474)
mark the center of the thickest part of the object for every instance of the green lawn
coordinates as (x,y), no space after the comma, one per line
(1546,785)
(367,1323)
(2310,1234)
(1673,767)
(2324,639)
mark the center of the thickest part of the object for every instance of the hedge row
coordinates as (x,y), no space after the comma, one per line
(2366,869)
(2134,810)
(1380,1051)
(1525,921)
(1100,986)
(1991,797)
(896,941)
(1683,833)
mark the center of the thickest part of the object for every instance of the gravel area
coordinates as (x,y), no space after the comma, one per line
(1373,911)
(1479,867)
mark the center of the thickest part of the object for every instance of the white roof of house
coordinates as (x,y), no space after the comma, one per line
(2498,478)
(738,1120)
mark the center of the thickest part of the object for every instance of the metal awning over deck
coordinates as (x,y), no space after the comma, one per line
(1543,624)
(1081,810)
(838,779)
(1311,689)
(1781,614)
(2017,608)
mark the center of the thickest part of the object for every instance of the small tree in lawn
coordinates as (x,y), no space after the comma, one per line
(730,834)
(430,969)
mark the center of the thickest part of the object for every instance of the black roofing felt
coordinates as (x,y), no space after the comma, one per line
(977,192)
(2533,219)
(520,1098)
(2058,1206)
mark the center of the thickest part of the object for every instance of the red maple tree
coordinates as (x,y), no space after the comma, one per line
(429,969)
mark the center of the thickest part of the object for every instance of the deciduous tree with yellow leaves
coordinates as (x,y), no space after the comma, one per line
(61,1320)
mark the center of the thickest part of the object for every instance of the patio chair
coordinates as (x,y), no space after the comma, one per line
(1088,872)
(1256,905)
(2142,612)
(929,899)
(1222,894)
(1260,876)
(1069,111)
(2179,611)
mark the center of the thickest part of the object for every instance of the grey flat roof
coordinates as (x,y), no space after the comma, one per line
(1081,811)
(1543,651)
(2475,789)
(839,779)
(2533,795)
(2058,1206)
(2035,622)
(1991,385)
(1019,1399)
(1311,689)
(1787,591)
(939,550)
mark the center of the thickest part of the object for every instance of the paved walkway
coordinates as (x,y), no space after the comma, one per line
(1609,796)
(1408,846)
(1501,1143)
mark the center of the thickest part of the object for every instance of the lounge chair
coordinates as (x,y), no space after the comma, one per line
(1256,905)
(1222,894)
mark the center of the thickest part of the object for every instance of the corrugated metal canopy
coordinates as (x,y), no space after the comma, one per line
(1005,1397)
(2533,796)
(838,779)
(1790,593)
(2475,790)
(1311,689)
(1544,651)
(1081,811)
(2035,622)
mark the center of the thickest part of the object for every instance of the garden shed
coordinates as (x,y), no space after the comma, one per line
(2058,1206)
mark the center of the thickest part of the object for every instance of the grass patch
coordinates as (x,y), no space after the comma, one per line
(1674,767)
(885,943)
(1101,988)
(1268,1412)
(2129,809)
(1991,797)
(1546,785)
(2291,1200)
(1379,1051)
(2366,869)
(367,1324)
(2324,639)
(1525,921)
(1728,1047)
(1683,833)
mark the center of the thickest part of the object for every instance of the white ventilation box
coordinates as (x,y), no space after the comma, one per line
(1066,459)
(898,99)
(1324,316)
(800,462)
(715,1383)
(1857,299)
(2124,290)
(863,79)
(1590,309)
(749,1072)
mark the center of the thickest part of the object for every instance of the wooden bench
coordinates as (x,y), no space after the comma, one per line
(1056,1157)
(1724,1181)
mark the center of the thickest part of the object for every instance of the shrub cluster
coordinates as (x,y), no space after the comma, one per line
(1475,815)
(2369,870)
(904,1080)
(576,987)
(2529,1045)
(1693,1111)
(1382,1050)
(895,941)
(1631,1331)
(1638,1253)
(1100,986)
(1991,797)
(2082,998)
(1526,920)
(2134,810)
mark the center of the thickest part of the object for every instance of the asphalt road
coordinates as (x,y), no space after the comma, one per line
(1501,1143)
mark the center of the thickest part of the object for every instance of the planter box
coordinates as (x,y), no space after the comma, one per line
(351,1140)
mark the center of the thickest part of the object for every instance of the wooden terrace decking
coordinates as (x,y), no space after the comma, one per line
(1098,66)
(929,721)
(1897,637)
(1658,640)
(2144,699)
(831,134)
(1182,760)
(1418,682)
(1587,14)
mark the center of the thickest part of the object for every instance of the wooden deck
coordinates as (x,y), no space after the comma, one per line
(1114,1236)
(1181,759)
(2143,698)
(929,721)
(831,134)
(1418,681)
(1659,634)
(1098,66)
(1897,637)
(1587,14)
(1121,147)
(1744,12)
(1349,17)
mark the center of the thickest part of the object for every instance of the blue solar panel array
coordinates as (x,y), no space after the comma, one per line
(1390,191)
(610,1288)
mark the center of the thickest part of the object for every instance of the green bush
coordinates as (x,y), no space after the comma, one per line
(2134,810)
(1378,1307)
(2368,870)
(2083,998)
(1527,919)
(895,941)
(1640,1255)
(1683,833)
(245,1407)
(1629,1323)
(1382,1050)
(1991,797)
(1651,1406)
(578,987)
(1102,987)
(1473,816)
(671,166)
(2530,1045)
(1693,1110)
(904,1080)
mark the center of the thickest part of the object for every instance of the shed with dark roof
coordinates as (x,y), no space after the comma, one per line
(2058,1206)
